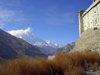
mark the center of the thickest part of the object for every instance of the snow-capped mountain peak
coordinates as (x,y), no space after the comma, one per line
(31,38)
(48,42)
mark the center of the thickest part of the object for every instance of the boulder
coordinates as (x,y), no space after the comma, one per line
(90,72)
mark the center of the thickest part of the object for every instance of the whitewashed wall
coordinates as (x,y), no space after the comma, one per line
(92,18)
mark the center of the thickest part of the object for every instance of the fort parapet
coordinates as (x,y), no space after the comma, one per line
(89,18)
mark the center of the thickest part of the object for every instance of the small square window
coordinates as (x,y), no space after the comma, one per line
(95,28)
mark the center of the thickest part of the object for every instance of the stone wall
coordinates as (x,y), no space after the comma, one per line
(90,18)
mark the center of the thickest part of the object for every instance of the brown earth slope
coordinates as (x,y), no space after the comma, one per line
(11,46)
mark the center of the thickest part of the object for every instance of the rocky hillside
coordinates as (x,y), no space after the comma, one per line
(66,48)
(11,46)
(89,41)
(48,50)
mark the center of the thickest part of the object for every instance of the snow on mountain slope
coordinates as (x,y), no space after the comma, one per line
(31,38)
(54,45)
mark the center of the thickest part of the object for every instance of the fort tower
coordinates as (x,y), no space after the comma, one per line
(89,18)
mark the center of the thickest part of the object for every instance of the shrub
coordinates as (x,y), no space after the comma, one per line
(75,71)
(94,66)
(62,64)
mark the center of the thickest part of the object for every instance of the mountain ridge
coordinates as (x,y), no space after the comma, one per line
(46,47)
(31,38)
(11,46)
(66,48)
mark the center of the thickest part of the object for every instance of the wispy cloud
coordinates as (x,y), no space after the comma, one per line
(10,2)
(69,17)
(0,6)
(57,17)
(7,15)
(1,25)
(60,18)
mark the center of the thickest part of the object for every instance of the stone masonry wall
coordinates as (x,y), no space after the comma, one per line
(90,18)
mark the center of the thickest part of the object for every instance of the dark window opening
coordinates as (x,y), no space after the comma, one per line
(95,28)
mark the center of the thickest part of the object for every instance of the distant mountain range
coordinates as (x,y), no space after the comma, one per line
(47,50)
(46,47)
(66,48)
(11,46)
(32,39)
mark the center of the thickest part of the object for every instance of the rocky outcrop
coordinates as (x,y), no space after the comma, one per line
(89,41)
(48,50)
(66,48)
(90,72)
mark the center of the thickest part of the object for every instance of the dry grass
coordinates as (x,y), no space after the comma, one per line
(94,66)
(63,64)
(25,66)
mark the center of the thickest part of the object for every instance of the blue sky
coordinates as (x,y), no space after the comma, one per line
(54,20)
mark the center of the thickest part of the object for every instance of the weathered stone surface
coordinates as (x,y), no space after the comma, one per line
(92,73)
(89,41)
(90,18)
